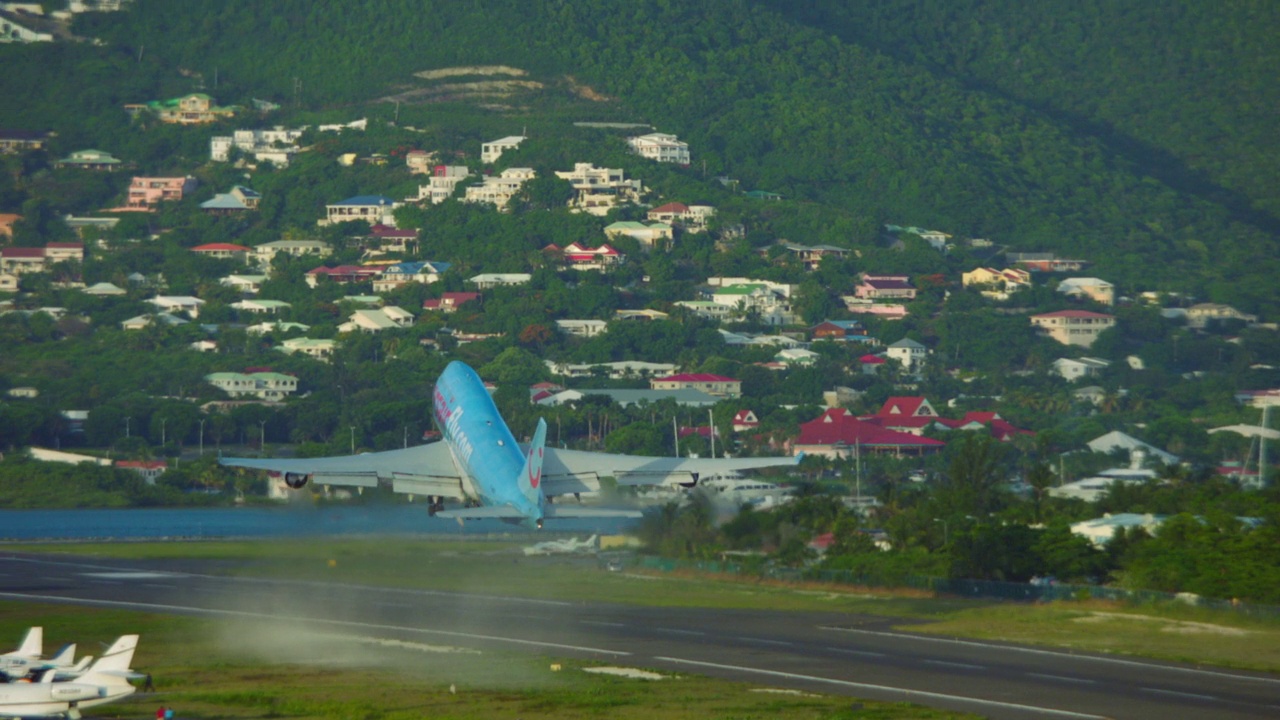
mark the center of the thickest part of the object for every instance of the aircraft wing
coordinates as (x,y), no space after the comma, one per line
(423,469)
(568,465)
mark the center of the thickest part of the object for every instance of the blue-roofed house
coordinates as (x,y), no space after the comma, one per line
(373,209)
(401,273)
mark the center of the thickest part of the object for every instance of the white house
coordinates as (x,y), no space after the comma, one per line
(498,191)
(1092,288)
(660,147)
(909,353)
(374,321)
(261,306)
(267,252)
(374,209)
(582,328)
(277,145)
(491,151)
(178,303)
(318,349)
(599,190)
(490,280)
(1099,531)
(649,236)
(442,184)
(1075,368)
(262,385)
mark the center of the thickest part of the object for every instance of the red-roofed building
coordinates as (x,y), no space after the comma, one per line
(222,250)
(393,239)
(1073,327)
(999,428)
(450,301)
(148,469)
(837,434)
(691,218)
(871,364)
(745,420)
(885,287)
(18,260)
(343,274)
(581,257)
(717,385)
(904,414)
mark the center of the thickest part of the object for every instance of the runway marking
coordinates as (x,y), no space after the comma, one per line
(106,582)
(884,688)
(1175,693)
(385,603)
(162,586)
(129,575)
(602,623)
(1064,678)
(764,641)
(1051,653)
(964,666)
(158,607)
(676,631)
(865,653)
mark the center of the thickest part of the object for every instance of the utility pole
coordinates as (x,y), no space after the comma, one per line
(353,439)
(711,419)
(163,437)
(262,435)
(126,426)
(201,437)
(1262,447)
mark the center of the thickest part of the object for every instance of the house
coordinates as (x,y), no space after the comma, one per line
(1138,450)
(717,385)
(237,201)
(796,357)
(261,306)
(19,141)
(15,28)
(374,321)
(839,330)
(450,302)
(1076,368)
(148,469)
(582,328)
(599,190)
(811,256)
(621,370)
(1203,315)
(498,191)
(642,315)
(20,260)
(909,353)
(885,287)
(885,311)
(443,183)
(485,281)
(8,282)
(1092,394)
(403,273)
(395,240)
(1095,289)
(904,414)
(582,257)
(373,209)
(1073,327)
(660,147)
(871,364)
(762,195)
(147,192)
(975,420)
(246,284)
(996,284)
(267,252)
(689,218)
(89,160)
(936,239)
(104,289)
(83,6)
(1044,262)
(342,274)
(838,435)
(276,146)
(56,252)
(263,328)
(420,162)
(1091,489)
(319,349)
(193,109)
(144,321)
(178,303)
(628,398)
(649,236)
(744,421)
(265,385)
(491,151)
(771,304)
(223,251)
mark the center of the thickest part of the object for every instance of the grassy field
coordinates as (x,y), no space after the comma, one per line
(1172,632)
(198,675)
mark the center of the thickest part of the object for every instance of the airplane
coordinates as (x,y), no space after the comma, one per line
(567,546)
(107,680)
(17,663)
(478,460)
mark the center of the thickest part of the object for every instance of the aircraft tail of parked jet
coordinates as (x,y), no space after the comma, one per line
(32,644)
(66,656)
(112,669)
(71,672)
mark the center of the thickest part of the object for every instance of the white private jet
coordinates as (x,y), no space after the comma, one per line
(27,660)
(568,546)
(107,680)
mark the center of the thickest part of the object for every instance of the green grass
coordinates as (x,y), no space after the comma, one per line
(197,672)
(1172,632)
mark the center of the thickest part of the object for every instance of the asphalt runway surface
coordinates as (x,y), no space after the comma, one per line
(841,654)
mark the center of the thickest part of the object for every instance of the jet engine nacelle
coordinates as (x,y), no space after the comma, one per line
(296,480)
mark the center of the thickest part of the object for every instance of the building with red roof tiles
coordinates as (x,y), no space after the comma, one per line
(222,250)
(745,420)
(450,301)
(342,274)
(837,434)
(18,260)
(717,385)
(148,469)
(1073,327)
(871,364)
(584,257)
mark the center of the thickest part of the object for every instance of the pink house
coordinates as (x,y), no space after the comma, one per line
(147,192)
(450,301)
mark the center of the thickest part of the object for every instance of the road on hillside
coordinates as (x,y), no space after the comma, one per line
(859,656)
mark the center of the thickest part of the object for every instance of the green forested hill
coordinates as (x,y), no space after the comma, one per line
(896,114)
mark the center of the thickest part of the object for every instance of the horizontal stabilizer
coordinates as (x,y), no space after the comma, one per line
(495,512)
(572,511)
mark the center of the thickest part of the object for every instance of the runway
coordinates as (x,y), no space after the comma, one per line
(860,656)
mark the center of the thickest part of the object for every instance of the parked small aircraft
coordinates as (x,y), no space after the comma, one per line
(106,680)
(568,546)
(480,461)
(18,663)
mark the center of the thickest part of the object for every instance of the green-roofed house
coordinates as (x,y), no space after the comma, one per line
(320,349)
(193,109)
(262,385)
(89,160)
(649,236)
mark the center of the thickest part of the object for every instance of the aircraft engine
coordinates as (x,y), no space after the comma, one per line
(296,480)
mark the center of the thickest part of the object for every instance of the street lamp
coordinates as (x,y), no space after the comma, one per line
(163,437)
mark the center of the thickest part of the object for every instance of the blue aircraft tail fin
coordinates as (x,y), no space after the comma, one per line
(530,480)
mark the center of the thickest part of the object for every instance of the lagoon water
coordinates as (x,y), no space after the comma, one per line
(161,523)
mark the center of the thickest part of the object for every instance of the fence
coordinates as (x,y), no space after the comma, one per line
(959,587)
